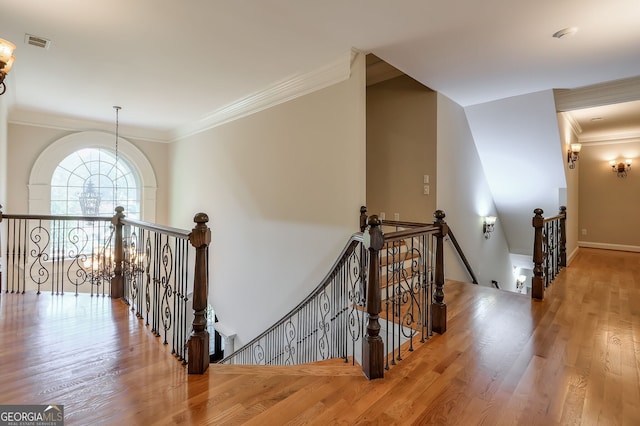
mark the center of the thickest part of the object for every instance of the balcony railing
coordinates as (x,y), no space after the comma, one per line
(155,269)
(549,250)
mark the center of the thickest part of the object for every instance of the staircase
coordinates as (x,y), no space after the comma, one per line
(372,307)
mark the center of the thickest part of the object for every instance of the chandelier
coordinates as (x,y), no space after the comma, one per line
(6,61)
(89,199)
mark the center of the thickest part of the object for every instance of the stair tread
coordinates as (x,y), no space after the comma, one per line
(396,278)
(398,258)
(330,367)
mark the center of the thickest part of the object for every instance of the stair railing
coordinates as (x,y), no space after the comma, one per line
(399,225)
(344,316)
(151,267)
(326,324)
(549,250)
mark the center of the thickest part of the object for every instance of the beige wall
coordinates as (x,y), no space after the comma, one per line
(26,143)
(401,149)
(3,154)
(609,206)
(282,188)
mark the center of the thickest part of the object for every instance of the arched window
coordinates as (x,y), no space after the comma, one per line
(52,170)
(92,182)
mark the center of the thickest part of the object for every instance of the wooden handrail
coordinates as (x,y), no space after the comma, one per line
(401,224)
(174,232)
(458,249)
(55,217)
(556,217)
(401,235)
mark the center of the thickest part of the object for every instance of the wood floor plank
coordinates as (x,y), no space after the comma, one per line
(573,358)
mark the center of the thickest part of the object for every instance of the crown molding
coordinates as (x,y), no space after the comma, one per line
(612,92)
(296,86)
(70,124)
(575,126)
(610,139)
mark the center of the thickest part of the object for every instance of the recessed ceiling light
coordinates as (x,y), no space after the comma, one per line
(565,32)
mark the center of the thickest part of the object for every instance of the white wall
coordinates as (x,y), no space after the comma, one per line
(522,155)
(282,189)
(465,197)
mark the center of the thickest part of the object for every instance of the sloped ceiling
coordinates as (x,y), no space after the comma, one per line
(522,156)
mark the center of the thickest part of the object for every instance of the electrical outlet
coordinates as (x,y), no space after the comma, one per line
(584,231)
(396,216)
(382,215)
(425,179)
(425,190)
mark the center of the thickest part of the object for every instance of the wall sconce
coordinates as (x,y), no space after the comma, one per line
(487,228)
(520,282)
(6,61)
(621,168)
(572,154)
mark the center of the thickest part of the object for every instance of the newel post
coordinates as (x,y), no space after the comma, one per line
(372,345)
(438,307)
(198,344)
(363,218)
(563,237)
(537,281)
(362,284)
(117,281)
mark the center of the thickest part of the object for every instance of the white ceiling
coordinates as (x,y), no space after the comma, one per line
(169,63)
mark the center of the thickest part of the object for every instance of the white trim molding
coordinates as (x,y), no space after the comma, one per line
(71,124)
(611,92)
(48,160)
(573,255)
(606,246)
(283,91)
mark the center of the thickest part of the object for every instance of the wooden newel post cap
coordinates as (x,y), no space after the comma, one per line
(444,228)
(200,235)
(374,221)
(538,219)
(376,237)
(563,209)
(0,212)
(115,220)
(363,210)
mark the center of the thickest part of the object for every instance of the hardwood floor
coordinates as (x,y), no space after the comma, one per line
(573,358)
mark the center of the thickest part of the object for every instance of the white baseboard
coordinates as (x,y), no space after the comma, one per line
(572,256)
(605,246)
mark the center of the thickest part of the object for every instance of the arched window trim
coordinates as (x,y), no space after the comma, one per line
(48,160)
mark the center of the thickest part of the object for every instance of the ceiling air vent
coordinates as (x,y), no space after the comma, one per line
(37,41)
